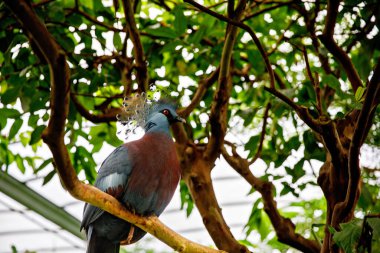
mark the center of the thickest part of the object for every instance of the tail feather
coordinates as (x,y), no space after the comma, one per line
(98,244)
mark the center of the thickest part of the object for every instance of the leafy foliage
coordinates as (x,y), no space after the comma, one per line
(359,235)
(348,237)
(182,48)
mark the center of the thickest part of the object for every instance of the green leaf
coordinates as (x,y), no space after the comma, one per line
(255,59)
(312,150)
(365,199)
(164,32)
(66,42)
(22,60)
(186,199)
(331,81)
(10,95)
(170,47)
(246,243)
(48,177)
(298,171)
(258,220)
(348,237)
(288,188)
(375,225)
(117,41)
(15,128)
(294,143)
(198,35)
(359,94)
(251,224)
(36,135)
(24,139)
(1,58)
(3,122)
(56,13)
(84,160)
(32,121)
(43,165)
(180,22)
(14,249)
(9,113)
(20,163)
(252,145)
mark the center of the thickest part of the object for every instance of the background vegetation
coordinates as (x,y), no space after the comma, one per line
(285,82)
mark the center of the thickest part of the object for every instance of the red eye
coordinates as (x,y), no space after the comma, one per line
(166,112)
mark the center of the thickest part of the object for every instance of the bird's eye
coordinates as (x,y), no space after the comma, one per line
(166,112)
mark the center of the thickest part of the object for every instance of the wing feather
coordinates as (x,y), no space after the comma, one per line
(112,178)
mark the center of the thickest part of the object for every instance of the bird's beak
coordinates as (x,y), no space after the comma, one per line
(179,119)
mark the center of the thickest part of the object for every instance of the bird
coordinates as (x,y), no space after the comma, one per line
(142,175)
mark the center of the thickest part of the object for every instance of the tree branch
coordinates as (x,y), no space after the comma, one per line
(365,118)
(310,25)
(197,170)
(219,107)
(141,68)
(99,118)
(262,136)
(284,227)
(329,42)
(97,22)
(301,111)
(201,91)
(54,136)
(42,2)
(230,8)
(197,175)
(313,81)
(333,143)
(262,11)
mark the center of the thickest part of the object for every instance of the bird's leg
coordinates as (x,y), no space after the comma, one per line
(130,235)
(131,229)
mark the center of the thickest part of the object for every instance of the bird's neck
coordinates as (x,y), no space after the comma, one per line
(152,127)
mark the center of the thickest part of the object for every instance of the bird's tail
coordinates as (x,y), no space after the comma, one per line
(99,244)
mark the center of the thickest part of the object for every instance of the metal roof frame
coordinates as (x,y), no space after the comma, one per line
(39,204)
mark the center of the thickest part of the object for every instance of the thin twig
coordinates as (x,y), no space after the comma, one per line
(201,91)
(301,111)
(42,2)
(262,11)
(262,136)
(313,81)
(95,118)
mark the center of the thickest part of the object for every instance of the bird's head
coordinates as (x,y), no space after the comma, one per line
(161,115)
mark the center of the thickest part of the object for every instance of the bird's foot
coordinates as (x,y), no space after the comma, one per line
(130,235)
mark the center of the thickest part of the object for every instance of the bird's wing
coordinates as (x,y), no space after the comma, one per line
(112,178)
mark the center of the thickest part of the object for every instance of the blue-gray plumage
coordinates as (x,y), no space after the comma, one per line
(142,174)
